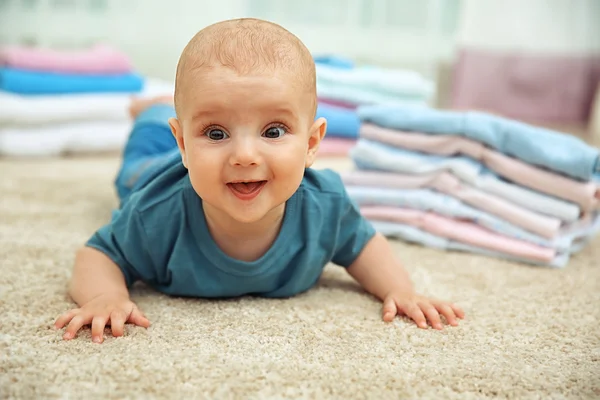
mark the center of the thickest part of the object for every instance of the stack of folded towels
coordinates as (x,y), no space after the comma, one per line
(475,182)
(342,87)
(54,102)
(342,130)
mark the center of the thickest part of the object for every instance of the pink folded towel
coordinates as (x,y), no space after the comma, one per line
(335,146)
(461,231)
(337,103)
(99,59)
(586,194)
(447,183)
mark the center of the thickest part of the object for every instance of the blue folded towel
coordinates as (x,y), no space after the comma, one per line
(341,122)
(538,146)
(34,83)
(334,61)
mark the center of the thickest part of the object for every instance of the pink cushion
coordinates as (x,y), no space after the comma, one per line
(529,87)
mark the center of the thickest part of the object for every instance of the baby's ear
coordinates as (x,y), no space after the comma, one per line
(317,133)
(177,131)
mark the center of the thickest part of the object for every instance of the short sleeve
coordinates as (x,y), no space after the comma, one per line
(123,240)
(354,232)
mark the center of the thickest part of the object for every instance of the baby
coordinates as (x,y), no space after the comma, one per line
(217,197)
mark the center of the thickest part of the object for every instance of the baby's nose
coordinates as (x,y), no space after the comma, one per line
(245,153)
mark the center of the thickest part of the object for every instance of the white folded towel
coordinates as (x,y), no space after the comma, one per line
(395,83)
(19,110)
(64,138)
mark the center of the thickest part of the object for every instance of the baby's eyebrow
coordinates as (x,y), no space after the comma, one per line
(202,113)
(283,111)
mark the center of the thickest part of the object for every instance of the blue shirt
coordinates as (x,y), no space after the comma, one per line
(160,236)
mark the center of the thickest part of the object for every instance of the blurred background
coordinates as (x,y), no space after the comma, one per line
(536,60)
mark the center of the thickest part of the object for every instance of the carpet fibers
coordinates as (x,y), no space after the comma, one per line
(529,332)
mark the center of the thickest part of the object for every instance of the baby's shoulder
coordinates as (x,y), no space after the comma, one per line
(162,192)
(324,199)
(324,183)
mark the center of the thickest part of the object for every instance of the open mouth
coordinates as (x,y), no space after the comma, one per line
(246,190)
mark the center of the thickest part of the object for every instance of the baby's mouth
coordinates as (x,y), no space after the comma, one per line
(246,187)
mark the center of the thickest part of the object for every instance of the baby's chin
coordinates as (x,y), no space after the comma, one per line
(251,215)
(237,214)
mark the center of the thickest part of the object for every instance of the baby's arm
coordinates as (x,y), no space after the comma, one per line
(95,274)
(103,271)
(378,270)
(98,287)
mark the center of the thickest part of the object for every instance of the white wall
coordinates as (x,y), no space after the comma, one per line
(409,33)
(153,32)
(534,26)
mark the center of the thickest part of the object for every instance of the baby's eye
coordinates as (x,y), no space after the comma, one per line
(274,132)
(216,134)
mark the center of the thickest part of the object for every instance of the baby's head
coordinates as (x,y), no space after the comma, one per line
(245,97)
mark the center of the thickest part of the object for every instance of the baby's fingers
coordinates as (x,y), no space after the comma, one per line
(448,313)
(65,319)
(389,309)
(75,325)
(138,318)
(98,324)
(432,315)
(117,322)
(457,311)
(413,311)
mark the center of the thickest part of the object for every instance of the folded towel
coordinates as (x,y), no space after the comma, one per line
(587,194)
(360,96)
(334,61)
(24,111)
(372,155)
(397,83)
(538,146)
(415,235)
(34,83)
(429,200)
(59,139)
(99,59)
(21,111)
(461,231)
(341,122)
(445,182)
(334,146)
(337,103)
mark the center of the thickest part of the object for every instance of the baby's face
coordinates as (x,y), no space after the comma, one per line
(246,140)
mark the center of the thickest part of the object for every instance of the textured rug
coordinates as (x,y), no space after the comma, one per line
(529,332)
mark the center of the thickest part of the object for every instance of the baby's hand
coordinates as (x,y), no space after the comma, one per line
(420,309)
(112,308)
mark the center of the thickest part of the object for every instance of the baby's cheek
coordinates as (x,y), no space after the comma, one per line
(290,161)
(204,176)
(292,171)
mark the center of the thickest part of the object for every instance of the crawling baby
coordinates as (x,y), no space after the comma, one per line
(217,197)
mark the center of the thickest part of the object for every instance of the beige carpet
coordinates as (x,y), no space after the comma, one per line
(529,333)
